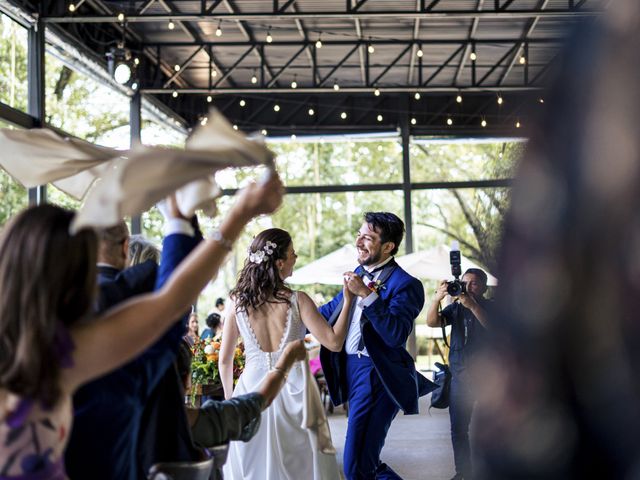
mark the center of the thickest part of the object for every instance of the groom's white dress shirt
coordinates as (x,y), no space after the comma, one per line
(354,334)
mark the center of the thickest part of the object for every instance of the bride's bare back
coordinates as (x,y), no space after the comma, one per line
(268,323)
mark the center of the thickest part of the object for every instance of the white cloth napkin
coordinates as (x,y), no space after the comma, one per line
(313,414)
(119,183)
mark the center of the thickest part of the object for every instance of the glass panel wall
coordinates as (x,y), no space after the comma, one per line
(13,63)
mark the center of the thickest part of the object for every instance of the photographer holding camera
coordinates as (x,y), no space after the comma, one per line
(467,316)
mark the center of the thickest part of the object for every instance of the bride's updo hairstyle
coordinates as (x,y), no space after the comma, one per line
(259,281)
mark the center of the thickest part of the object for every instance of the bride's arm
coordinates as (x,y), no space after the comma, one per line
(332,337)
(228,345)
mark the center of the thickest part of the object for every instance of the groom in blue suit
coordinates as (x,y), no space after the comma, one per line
(374,371)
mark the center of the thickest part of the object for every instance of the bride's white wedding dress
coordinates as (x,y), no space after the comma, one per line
(282,449)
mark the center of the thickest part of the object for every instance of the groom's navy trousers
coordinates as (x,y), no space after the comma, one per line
(371,411)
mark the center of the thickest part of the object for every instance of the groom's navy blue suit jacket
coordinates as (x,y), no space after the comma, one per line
(386,325)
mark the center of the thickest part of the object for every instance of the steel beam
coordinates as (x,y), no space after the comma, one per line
(327,90)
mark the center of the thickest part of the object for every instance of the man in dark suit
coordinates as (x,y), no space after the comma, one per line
(111,411)
(374,371)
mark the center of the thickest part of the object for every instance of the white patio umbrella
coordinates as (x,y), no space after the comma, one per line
(434,264)
(327,270)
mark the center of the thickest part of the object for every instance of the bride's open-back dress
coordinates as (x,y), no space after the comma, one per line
(282,449)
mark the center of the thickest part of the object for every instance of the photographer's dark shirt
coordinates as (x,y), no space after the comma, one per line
(466,334)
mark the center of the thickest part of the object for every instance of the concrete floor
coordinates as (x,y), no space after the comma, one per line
(418,447)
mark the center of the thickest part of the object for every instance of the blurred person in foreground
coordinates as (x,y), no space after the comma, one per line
(561,377)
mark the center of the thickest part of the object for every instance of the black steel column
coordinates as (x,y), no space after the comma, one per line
(36,93)
(406,190)
(135,125)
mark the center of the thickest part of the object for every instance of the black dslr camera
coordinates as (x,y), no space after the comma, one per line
(456,287)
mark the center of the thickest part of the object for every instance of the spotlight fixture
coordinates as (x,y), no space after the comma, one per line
(473,56)
(119,64)
(219,30)
(459,99)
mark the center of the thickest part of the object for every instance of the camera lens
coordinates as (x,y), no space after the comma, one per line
(455,288)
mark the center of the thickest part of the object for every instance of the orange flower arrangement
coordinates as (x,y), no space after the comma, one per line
(204,365)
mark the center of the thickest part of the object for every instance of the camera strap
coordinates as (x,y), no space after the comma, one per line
(444,332)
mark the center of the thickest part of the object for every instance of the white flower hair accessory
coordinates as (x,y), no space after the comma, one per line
(258,256)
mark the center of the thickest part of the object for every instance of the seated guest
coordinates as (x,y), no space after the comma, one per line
(214,323)
(192,329)
(47,283)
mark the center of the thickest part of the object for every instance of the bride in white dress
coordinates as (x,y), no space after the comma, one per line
(268,315)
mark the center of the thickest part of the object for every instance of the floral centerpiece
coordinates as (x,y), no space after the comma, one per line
(204,365)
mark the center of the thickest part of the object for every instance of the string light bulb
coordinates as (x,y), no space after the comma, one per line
(254,79)
(294,84)
(459,99)
(311,112)
(413,121)
(263,132)
(242,103)
(121,17)
(518,124)
(72,7)
(500,100)
(171,25)
(176,68)
(376,92)
(417,96)
(276,108)
(343,115)
(379,117)
(370,49)
(209,99)
(219,30)
(336,87)
(175,94)
(214,73)
(419,53)
(293,136)
(473,56)
(235,127)
(541,100)
(523,60)
(136,61)
(319,42)
(483,123)
(449,121)
(269,37)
